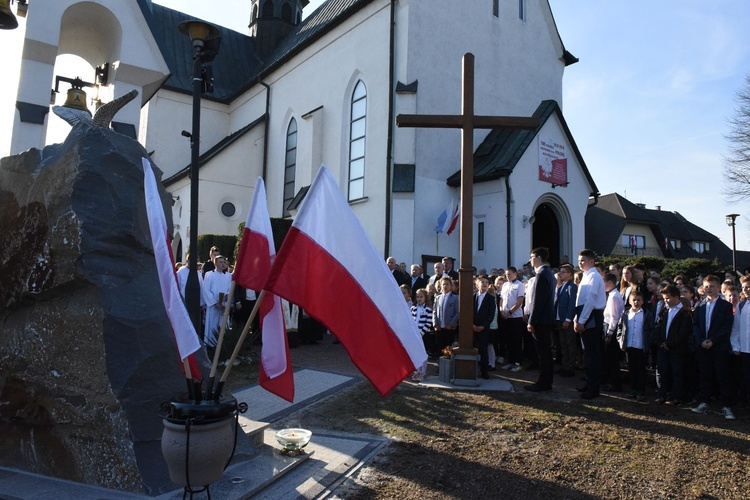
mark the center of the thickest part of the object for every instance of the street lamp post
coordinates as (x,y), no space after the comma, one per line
(731,222)
(204,38)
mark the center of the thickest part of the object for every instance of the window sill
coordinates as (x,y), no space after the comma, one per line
(359,200)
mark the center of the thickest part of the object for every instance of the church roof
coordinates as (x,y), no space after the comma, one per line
(233,66)
(237,66)
(501,150)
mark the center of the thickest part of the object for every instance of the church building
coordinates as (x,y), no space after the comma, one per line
(290,94)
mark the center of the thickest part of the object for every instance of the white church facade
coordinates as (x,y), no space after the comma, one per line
(292,94)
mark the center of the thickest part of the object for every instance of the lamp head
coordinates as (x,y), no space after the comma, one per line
(199,32)
(731,218)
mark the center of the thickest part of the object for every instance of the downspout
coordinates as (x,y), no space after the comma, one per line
(389,142)
(265,135)
(507,217)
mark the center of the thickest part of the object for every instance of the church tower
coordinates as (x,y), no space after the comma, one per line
(272,20)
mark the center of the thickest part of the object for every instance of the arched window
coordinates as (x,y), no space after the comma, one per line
(286,13)
(268,8)
(357,131)
(290,164)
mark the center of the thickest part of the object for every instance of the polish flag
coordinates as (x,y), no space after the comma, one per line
(448,218)
(257,252)
(182,328)
(329,267)
(454,219)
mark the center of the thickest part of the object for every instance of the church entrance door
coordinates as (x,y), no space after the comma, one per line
(546,232)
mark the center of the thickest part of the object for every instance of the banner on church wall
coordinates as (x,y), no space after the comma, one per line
(553,162)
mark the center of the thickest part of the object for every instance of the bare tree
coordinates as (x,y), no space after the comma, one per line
(737,161)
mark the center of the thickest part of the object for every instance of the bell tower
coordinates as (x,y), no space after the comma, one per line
(272,20)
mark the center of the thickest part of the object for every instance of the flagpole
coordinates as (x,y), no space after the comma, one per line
(237,348)
(219,343)
(188,377)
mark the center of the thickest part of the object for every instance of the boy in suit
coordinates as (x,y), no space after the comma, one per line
(634,336)
(565,310)
(445,314)
(484,313)
(712,327)
(674,331)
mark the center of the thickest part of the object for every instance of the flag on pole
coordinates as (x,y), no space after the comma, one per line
(448,219)
(328,266)
(182,328)
(257,252)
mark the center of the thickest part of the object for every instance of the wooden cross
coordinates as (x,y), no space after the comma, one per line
(465,355)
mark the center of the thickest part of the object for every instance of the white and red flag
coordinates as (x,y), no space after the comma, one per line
(448,218)
(182,328)
(328,266)
(256,254)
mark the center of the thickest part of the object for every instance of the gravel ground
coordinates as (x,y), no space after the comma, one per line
(465,444)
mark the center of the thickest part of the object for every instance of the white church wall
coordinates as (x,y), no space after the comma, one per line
(167,115)
(527,189)
(325,76)
(507,82)
(489,208)
(229,178)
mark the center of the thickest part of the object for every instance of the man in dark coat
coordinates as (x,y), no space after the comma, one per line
(542,317)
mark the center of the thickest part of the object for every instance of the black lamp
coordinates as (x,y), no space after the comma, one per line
(205,40)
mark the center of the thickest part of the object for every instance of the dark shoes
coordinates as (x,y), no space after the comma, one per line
(611,388)
(565,373)
(589,394)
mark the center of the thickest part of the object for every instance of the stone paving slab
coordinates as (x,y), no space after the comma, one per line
(493,384)
(334,456)
(309,386)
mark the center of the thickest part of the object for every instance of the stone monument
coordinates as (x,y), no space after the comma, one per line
(86,350)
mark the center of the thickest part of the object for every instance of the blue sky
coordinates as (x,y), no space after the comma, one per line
(649,100)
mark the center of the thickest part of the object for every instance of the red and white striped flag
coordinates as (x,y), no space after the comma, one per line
(328,266)
(182,327)
(256,254)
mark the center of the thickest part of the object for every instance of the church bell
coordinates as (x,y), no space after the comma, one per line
(7,19)
(76,99)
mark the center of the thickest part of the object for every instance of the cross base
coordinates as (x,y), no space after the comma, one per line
(466,361)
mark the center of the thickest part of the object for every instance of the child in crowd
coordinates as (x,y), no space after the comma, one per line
(422,315)
(612,315)
(634,336)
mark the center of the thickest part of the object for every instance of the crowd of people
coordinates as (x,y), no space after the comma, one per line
(619,325)
(215,279)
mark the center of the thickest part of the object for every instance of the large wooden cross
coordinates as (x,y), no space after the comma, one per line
(465,355)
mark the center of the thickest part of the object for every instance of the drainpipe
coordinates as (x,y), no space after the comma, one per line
(389,143)
(507,216)
(265,135)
